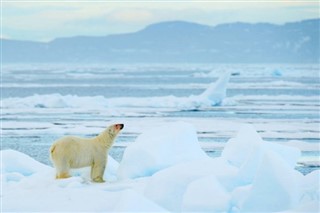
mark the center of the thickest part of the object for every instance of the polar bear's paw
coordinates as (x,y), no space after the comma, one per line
(98,180)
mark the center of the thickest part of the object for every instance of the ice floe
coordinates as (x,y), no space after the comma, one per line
(168,172)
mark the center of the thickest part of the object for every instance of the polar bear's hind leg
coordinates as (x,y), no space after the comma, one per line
(62,171)
(62,175)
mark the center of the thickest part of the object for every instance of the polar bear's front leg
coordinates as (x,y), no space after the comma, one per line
(97,171)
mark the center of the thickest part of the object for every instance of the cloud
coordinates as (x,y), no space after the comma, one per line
(131,16)
(3,36)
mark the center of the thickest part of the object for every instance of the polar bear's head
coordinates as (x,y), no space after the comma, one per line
(114,129)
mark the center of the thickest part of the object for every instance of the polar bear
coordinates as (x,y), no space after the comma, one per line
(74,152)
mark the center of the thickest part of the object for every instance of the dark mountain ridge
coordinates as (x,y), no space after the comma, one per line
(179,41)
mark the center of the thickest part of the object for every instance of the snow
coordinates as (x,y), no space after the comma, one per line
(167,171)
(131,201)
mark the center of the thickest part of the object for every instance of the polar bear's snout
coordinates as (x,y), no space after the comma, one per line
(118,126)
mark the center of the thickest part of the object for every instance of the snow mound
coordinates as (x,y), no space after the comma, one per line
(160,147)
(168,187)
(274,188)
(247,149)
(211,196)
(16,162)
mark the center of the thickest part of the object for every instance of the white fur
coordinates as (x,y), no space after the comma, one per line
(76,152)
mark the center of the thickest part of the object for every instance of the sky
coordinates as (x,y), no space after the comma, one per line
(45,20)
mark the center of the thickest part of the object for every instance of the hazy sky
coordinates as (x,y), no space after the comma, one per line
(45,20)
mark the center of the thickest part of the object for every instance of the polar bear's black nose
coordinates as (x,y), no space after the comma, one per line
(119,126)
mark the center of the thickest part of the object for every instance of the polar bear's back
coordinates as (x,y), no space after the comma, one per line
(72,150)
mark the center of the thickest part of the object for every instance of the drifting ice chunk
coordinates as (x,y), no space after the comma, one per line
(159,148)
(277,73)
(217,91)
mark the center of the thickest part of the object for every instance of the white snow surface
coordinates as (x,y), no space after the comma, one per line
(164,170)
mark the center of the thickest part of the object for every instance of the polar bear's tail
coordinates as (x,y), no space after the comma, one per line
(52,148)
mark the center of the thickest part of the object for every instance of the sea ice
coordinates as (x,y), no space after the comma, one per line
(212,96)
(247,150)
(160,147)
(274,187)
(206,194)
(167,171)
(217,91)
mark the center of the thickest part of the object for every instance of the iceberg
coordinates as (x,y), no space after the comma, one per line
(217,91)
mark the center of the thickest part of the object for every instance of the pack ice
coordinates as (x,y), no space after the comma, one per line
(165,170)
(212,96)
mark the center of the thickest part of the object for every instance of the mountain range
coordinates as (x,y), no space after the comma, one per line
(180,41)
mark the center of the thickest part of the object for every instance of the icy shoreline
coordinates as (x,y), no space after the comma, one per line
(251,175)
